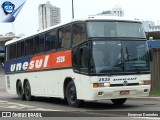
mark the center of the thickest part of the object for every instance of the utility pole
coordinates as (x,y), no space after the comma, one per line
(72,10)
(13,29)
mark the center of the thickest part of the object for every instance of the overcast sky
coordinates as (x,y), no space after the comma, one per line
(27,20)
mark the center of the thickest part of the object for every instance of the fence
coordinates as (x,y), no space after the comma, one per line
(155,69)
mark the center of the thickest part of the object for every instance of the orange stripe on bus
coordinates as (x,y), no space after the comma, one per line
(53,60)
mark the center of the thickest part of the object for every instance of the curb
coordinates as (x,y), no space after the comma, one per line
(158,97)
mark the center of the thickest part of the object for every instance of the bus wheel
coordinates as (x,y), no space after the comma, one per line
(27,91)
(119,101)
(71,95)
(20,91)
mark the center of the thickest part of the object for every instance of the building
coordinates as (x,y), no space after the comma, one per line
(49,15)
(116,11)
(154,28)
(150,26)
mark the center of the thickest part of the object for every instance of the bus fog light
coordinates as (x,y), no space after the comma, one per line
(100,93)
(106,84)
(145,90)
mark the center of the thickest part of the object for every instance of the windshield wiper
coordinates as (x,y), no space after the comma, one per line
(129,56)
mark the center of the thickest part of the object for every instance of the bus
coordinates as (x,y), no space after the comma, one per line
(94,58)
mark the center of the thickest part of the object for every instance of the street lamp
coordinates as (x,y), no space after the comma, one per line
(72,10)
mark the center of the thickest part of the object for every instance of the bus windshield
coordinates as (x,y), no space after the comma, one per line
(119,56)
(115,29)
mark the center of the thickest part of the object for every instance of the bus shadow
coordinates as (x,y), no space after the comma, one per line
(87,105)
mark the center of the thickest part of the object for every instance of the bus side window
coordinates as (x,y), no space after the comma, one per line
(13,51)
(75,59)
(36,41)
(79,33)
(29,46)
(7,53)
(64,39)
(83,58)
(18,49)
(41,43)
(51,39)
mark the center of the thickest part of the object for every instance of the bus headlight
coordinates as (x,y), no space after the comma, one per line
(96,85)
(106,84)
(145,82)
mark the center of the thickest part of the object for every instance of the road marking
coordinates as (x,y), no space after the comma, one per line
(12,105)
(149,118)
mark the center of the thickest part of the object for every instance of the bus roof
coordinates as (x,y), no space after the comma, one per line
(89,18)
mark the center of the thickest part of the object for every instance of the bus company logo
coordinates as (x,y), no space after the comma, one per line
(125,83)
(124,79)
(33,64)
(8,7)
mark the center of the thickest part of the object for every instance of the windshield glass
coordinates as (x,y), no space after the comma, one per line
(115,29)
(119,56)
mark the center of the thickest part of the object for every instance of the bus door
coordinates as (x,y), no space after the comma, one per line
(80,58)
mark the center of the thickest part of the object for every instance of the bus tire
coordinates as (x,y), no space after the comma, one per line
(71,95)
(20,91)
(120,101)
(27,91)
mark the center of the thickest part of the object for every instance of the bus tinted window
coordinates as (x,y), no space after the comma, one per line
(79,33)
(115,29)
(7,52)
(39,43)
(51,38)
(64,37)
(20,49)
(13,51)
(29,46)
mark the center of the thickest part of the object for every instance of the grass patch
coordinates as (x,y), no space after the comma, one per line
(155,92)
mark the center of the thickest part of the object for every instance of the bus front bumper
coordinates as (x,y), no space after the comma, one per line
(119,92)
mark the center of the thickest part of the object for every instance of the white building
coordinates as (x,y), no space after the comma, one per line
(49,15)
(150,26)
(154,28)
(116,11)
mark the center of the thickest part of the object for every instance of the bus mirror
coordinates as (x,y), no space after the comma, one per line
(150,54)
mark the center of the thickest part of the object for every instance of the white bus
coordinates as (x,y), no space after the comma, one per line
(90,59)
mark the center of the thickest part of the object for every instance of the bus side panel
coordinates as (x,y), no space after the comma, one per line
(10,81)
(68,73)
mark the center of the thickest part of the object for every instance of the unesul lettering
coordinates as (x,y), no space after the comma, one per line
(30,65)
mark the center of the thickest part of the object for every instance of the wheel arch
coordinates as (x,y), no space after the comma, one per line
(66,81)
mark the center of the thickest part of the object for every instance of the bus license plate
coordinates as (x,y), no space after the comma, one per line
(124,92)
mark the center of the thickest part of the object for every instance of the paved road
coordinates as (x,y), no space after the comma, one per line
(59,107)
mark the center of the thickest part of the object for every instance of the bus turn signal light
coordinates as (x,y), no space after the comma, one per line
(96,85)
(145,82)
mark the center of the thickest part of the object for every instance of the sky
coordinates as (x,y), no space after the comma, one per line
(27,20)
